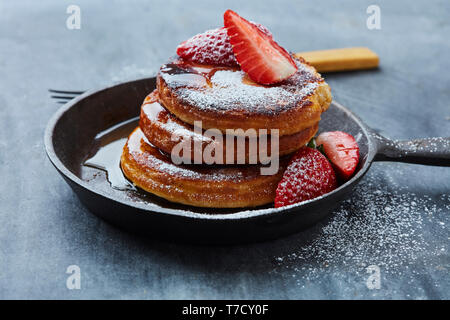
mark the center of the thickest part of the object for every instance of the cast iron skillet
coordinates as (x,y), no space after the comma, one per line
(70,138)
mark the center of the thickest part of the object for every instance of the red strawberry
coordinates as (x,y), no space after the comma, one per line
(257,53)
(308,175)
(342,150)
(212,47)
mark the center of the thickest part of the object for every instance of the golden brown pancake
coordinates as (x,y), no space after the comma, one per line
(226,98)
(165,131)
(196,185)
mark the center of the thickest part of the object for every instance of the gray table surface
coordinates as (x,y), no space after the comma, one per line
(398,218)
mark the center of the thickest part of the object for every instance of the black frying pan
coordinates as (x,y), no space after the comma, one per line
(70,138)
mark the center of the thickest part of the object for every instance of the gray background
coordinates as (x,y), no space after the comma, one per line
(44,228)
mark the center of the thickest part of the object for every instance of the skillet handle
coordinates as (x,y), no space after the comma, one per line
(429,151)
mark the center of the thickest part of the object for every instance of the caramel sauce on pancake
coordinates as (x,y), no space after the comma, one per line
(226,98)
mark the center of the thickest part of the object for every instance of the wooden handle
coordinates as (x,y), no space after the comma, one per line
(341,59)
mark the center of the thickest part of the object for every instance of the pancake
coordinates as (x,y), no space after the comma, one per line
(226,98)
(196,185)
(165,131)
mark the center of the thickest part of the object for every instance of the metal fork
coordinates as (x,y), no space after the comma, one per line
(63,96)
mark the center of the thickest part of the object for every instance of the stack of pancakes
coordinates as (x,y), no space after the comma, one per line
(220,98)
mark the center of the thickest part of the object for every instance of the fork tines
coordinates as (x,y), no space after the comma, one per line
(63,96)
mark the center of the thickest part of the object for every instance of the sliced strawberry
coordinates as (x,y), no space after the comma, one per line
(262,28)
(342,150)
(212,47)
(256,52)
(308,175)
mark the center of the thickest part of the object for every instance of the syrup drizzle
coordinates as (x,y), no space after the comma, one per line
(107,157)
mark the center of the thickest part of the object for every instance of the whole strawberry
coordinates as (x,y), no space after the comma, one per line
(308,175)
(211,47)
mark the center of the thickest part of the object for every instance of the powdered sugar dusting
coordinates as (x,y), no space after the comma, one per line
(228,89)
(175,127)
(151,158)
(381,224)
